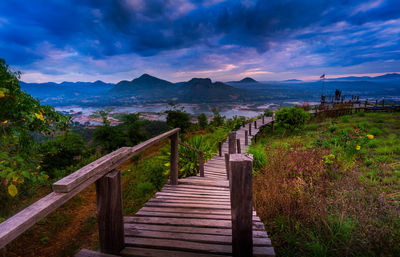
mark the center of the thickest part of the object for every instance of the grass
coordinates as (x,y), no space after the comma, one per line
(330,189)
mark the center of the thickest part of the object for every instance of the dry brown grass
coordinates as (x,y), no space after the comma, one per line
(327,210)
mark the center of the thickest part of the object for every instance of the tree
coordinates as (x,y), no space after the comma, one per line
(268,113)
(20,116)
(133,127)
(291,118)
(61,152)
(109,137)
(178,118)
(218,120)
(202,121)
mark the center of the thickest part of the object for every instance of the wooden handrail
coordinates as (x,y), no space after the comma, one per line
(71,185)
(105,164)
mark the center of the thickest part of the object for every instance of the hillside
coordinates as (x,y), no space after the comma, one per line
(198,90)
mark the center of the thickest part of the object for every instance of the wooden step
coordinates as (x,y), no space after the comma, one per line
(89,253)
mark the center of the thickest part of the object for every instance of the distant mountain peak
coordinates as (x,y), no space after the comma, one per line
(200,81)
(248,80)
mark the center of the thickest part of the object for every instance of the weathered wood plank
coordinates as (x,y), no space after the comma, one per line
(23,220)
(205,223)
(195,201)
(149,252)
(185,210)
(205,183)
(182,245)
(189,205)
(241,170)
(173,175)
(110,213)
(97,169)
(197,191)
(188,229)
(179,245)
(88,253)
(201,238)
(163,194)
(195,187)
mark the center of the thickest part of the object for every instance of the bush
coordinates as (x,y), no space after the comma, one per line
(259,156)
(109,138)
(268,113)
(291,118)
(133,127)
(218,120)
(178,119)
(202,119)
(61,152)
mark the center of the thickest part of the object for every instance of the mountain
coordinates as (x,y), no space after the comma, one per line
(292,81)
(50,92)
(142,83)
(389,77)
(204,90)
(246,80)
(143,88)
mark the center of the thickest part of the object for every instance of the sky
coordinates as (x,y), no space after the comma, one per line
(112,40)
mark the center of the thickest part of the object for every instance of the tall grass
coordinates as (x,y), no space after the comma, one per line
(320,196)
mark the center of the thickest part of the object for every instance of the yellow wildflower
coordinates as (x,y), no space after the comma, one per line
(5,122)
(39,116)
(370,136)
(358,148)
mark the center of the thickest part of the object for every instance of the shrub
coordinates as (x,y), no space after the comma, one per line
(109,137)
(268,113)
(202,119)
(178,118)
(291,118)
(61,152)
(134,128)
(259,156)
(218,120)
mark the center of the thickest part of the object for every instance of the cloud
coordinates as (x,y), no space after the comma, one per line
(191,36)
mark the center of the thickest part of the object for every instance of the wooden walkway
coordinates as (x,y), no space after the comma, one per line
(192,218)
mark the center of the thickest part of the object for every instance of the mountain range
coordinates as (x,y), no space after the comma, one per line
(150,89)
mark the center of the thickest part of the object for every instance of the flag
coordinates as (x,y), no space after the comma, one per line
(322,76)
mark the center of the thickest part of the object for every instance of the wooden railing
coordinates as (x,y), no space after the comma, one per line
(103,172)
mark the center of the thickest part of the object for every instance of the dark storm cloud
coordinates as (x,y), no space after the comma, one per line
(104,28)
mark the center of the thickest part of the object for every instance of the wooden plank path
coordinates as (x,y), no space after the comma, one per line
(192,218)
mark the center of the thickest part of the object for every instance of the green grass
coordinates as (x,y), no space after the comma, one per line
(330,190)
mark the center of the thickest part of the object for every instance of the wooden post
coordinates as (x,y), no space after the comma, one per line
(173,176)
(201,164)
(383,102)
(376,102)
(243,124)
(262,116)
(232,142)
(239,150)
(109,213)
(241,172)
(255,124)
(246,137)
(220,148)
(250,129)
(255,138)
(366,101)
(227,165)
